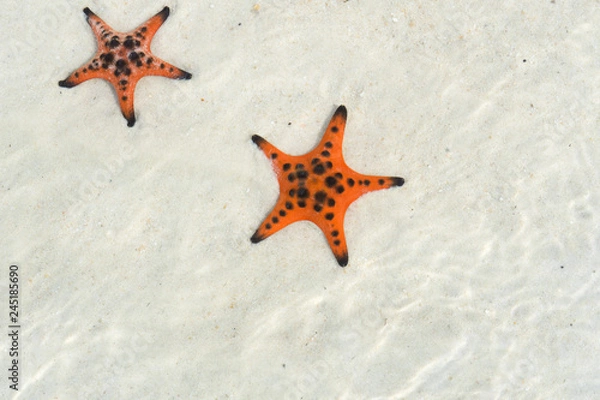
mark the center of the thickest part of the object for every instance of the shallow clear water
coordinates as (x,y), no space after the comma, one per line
(476,279)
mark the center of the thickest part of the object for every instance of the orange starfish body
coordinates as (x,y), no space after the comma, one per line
(123,59)
(318,187)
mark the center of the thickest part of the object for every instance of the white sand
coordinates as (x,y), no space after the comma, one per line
(477,279)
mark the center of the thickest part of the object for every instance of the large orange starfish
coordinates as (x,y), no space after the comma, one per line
(123,59)
(318,187)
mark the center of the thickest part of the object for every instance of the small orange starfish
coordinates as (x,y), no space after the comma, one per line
(123,59)
(318,187)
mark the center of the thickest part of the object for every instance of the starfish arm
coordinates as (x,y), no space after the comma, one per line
(149,28)
(381,182)
(157,67)
(332,225)
(280,217)
(270,151)
(334,134)
(102,31)
(78,76)
(125,94)
(358,184)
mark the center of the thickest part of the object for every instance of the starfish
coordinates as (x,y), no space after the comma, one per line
(123,59)
(318,187)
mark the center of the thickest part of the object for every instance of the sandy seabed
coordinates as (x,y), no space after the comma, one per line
(479,278)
